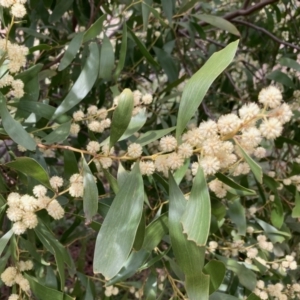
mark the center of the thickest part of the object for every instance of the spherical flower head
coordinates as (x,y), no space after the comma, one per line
(271,128)
(30,220)
(260,152)
(105,123)
(208,129)
(251,137)
(19,228)
(76,189)
(174,161)
(96,126)
(147,99)
(249,112)
(74,129)
(210,165)
(185,150)
(106,162)
(161,164)
(25,265)
(263,295)
(76,178)
(55,210)
(56,182)
(228,124)
(14,199)
(18,10)
(252,252)
(93,147)
(194,137)
(135,150)
(168,143)
(28,203)
(217,187)
(39,191)
(9,275)
(14,213)
(78,115)
(7,3)
(137,95)
(24,285)
(13,297)
(270,97)
(92,110)
(147,167)
(194,168)
(102,113)
(283,113)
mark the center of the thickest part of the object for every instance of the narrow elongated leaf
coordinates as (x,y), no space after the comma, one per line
(14,129)
(94,30)
(140,235)
(216,270)
(83,84)
(31,168)
(236,188)
(237,216)
(71,52)
(168,64)
(290,63)
(107,59)
(116,236)
(153,135)
(136,123)
(196,218)
(30,73)
(296,209)
(40,109)
(272,233)
(143,49)
(199,84)
(255,168)
(43,292)
(222,296)
(70,164)
(281,77)
(246,277)
(122,55)
(187,5)
(90,193)
(121,117)
(146,12)
(58,135)
(61,7)
(36,34)
(168,9)
(189,256)
(219,23)
(4,240)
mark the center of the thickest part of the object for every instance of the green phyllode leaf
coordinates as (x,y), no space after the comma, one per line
(71,52)
(90,193)
(189,256)
(59,134)
(216,270)
(199,83)
(83,84)
(30,167)
(196,218)
(4,240)
(117,234)
(107,59)
(121,117)
(219,23)
(14,129)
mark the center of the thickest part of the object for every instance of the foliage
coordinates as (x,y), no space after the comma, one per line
(133,164)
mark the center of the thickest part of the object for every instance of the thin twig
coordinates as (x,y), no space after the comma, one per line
(272,36)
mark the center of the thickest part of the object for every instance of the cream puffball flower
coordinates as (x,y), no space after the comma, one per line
(270,97)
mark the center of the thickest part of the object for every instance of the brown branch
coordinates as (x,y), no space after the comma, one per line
(263,30)
(93,12)
(52,63)
(248,11)
(244,11)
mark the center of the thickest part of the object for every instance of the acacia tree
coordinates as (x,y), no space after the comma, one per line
(150,149)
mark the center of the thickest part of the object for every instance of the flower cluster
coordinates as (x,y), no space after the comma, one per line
(15,56)
(22,208)
(17,8)
(277,291)
(13,275)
